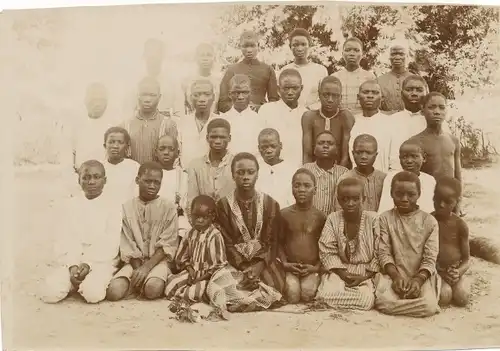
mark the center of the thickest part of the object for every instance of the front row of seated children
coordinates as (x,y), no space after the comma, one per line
(403,262)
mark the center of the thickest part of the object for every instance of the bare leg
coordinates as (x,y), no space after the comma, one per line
(461,292)
(154,288)
(292,288)
(309,287)
(117,289)
(446,294)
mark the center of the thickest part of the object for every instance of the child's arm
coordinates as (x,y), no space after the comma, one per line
(272,86)
(329,249)
(128,247)
(224,104)
(182,254)
(464,246)
(458,162)
(307,138)
(233,256)
(346,135)
(167,240)
(217,256)
(374,267)
(431,248)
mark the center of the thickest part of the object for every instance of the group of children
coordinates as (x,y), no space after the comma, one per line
(274,202)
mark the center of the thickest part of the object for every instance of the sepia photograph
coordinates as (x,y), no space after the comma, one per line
(301,175)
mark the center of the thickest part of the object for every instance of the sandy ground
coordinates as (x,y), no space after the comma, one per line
(30,324)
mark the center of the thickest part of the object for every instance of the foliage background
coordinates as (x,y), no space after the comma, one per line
(53,54)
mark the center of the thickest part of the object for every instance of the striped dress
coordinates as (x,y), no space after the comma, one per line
(326,186)
(357,256)
(205,253)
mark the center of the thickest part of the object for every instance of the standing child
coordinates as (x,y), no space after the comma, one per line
(120,171)
(365,153)
(408,250)
(274,171)
(348,251)
(330,117)
(302,225)
(454,251)
(326,172)
(148,241)
(411,157)
(89,249)
(262,76)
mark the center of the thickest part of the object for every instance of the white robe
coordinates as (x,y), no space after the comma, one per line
(276,181)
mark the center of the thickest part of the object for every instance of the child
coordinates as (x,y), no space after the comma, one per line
(120,171)
(148,240)
(372,121)
(89,249)
(454,251)
(326,171)
(174,181)
(352,75)
(285,115)
(274,171)
(348,251)
(211,174)
(245,122)
(302,225)
(365,153)
(312,73)
(329,117)
(262,76)
(201,253)
(411,157)
(408,250)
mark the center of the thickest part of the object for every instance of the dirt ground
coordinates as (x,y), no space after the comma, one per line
(30,324)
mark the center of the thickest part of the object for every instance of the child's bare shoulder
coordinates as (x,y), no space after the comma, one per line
(460,224)
(309,115)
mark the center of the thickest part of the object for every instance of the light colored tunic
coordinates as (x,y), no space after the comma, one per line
(411,243)
(276,181)
(88,139)
(245,128)
(175,182)
(425,202)
(215,78)
(391,85)
(120,180)
(288,123)
(312,73)
(379,127)
(357,256)
(192,140)
(372,190)
(351,81)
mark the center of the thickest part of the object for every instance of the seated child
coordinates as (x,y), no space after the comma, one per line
(274,172)
(89,248)
(302,225)
(200,253)
(120,171)
(365,152)
(454,251)
(411,157)
(326,171)
(348,251)
(148,240)
(408,250)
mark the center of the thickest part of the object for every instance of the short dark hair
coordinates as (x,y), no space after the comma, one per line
(239,79)
(289,72)
(427,97)
(243,156)
(176,142)
(451,183)
(365,138)
(304,171)
(325,132)
(415,77)
(300,32)
(121,130)
(202,81)
(204,200)
(249,35)
(405,176)
(353,39)
(350,181)
(413,142)
(149,166)
(330,79)
(369,81)
(219,123)
(91,163)
(269,131)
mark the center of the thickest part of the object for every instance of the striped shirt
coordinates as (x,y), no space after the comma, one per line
(391,85)
(358,255)
(351,81)
(372,191)
(205,179)
(144,135)
(326,185)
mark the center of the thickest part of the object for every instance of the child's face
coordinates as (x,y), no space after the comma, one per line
(92,181)
(149,184)
(405,196)
(330,95)
(218,139)
(364,153)
(269,147)
(411,158)
(413,93)
(166,151)
(370,96)
(350,198)
(116,146)
(201,216)
(435,111)
(299,46)
(303,188)
(290,88)
(149,97)
(445,200)
(96,105)
(205,57)
(245,174)
(325,147)
(397,57)
(352,53)
(202,97)
(249,48)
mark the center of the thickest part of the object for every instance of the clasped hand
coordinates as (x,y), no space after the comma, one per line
(300,269)
(78,273)
(407,288)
